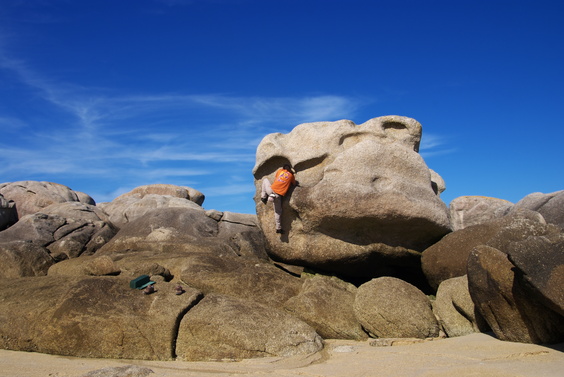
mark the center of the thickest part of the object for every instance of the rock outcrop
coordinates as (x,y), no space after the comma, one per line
(367,244)
(222,327)
(136,203)
(365,205)
(188,230)
(473,210)
(387,307)
(448,258)
(91,317)
(548,205)
(506,302)
(67,230)
(31,196)
(455,309)
(8,213)
(326,303)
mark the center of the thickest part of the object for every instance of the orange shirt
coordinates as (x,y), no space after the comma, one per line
(282,181)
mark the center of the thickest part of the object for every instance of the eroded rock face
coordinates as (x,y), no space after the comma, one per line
(222,327)
(32,196)
(387,307)
(91,317)
(326,304)
(22,258)
(540,262)
(550,206)
(472,210)
(366,201)
(448,258)
(67,229)
(8,213)
(136,203)
(187,230)
(455,309)
(513,311)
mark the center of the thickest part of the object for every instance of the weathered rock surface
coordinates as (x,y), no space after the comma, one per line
(22,258)
(234,276)
(506,305)
(139,201)
(387,307)
(539,263)
(448,258)
(326,304)
(187,230)
(91,317)
(8,213)
(455,309)
(550,206)
(365,203)
(222,327)
(472,210)
(32,196)
(91,265)
(67,230)
(183,192)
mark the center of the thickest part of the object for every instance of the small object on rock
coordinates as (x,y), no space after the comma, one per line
(179,290)
(149,289)
(141,282)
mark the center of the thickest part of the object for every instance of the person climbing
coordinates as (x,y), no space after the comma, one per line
(283,180)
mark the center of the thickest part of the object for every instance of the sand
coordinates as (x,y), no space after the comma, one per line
(471,355)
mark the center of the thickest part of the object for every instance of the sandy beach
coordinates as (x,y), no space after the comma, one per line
(472,355)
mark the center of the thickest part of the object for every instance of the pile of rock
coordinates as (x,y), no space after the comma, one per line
(370,251)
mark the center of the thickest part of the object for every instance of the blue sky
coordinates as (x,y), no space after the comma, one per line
(104,95)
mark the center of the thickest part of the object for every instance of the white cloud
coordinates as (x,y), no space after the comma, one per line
(435,145)
(128,141)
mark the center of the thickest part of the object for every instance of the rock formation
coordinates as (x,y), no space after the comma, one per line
(31,196)
(366,248)
(548,205)
(387,307)
(139,201)
(365,204)
(455,309)
(473,210)
(448,258)
(8,213)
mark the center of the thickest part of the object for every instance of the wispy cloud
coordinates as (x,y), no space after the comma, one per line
(435,145)
(158,137)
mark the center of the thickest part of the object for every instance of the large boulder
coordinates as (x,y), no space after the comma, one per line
(539,262)
(22,258)
(366,204)
(550,206)
(188,230)
(8,213)
(326,304)
(91,317)
(234,276)
(448,258)
(455,309)
(139,201)
(68,229)
(505,301)
(472,210)
(387,307)
(32,196)
(222,327)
